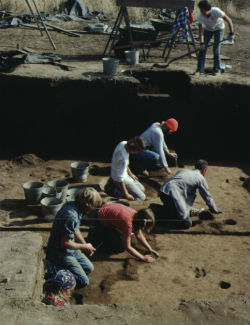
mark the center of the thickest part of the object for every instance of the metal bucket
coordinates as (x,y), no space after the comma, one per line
(80,171)
(33,191)
(50,207)
(60,185)
(72,192)
(132,57)
(49,191)
(110,66)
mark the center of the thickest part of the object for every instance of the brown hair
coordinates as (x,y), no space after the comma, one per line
(137,143)
(144,219)
(88,199)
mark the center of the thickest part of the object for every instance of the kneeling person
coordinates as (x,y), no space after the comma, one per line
(126,184)
(178,193)
(114,228)
(66,244)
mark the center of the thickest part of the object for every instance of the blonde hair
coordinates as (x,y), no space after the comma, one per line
(88,199)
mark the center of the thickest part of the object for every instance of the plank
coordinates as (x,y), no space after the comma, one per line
(170,4)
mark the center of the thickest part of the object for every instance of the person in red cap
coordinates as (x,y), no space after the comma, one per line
(154,157)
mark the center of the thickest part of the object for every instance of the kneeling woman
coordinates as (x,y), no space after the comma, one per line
(114,226)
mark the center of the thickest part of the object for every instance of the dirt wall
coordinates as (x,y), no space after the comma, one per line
(81,118)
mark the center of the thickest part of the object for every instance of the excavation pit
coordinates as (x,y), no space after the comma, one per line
(84,111)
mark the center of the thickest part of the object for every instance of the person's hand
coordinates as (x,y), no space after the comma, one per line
(135,178)
(212,210)
(155,253)
(129,197)
(168,170)
(148,259)
(173,154)
(89,249)
(231,37)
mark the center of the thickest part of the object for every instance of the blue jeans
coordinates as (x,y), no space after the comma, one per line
(134,188)
(218,37)
(148,159)
(74,261)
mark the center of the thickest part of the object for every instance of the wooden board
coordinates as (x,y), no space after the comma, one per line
(169,4)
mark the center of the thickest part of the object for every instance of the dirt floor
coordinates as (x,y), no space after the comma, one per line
(208,262)
(83,54)
(202,275)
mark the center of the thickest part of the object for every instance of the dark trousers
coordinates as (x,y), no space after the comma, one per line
(107,238)
(169,215)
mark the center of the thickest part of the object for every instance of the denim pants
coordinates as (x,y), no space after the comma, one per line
(74,261)
(218,37)
(134,188)
(172,218)
(148,159)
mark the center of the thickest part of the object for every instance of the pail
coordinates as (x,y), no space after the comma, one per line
(51,192)
(33,191)
(50,207)
(132,57)
(80,170)
(60,185)
(110,66)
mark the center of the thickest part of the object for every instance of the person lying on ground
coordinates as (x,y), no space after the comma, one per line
(126,184)
(58,289)
(114,226)
(211,24)
(66,243)
(178,194)
(154,157)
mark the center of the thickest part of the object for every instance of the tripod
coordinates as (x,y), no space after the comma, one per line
(40,20)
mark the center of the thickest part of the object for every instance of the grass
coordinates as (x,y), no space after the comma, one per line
(236,9)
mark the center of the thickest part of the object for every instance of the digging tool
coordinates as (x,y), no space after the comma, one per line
(157,65)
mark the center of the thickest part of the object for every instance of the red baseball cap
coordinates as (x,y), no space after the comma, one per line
(172,124)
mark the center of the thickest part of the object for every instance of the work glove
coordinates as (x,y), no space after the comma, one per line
(231,37)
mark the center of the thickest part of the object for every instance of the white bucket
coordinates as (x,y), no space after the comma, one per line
(110,66)
(132,57)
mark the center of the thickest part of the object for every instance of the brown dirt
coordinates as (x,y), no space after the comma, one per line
(193,262)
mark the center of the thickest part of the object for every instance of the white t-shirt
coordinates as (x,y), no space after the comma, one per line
(119,164)
(214,22)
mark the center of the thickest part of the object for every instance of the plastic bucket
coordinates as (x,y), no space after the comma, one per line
(80,171)
(51,192)
(60,185)
(132,57)
(110,66)
(33,191)
(50,207)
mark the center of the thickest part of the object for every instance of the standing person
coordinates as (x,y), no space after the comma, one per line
(58,289)
(126,184)
(211,24)
(114,228)
(66,243)
(178,193)
(154,139)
